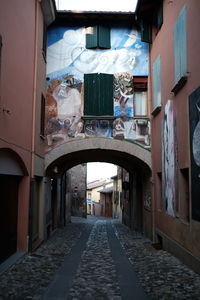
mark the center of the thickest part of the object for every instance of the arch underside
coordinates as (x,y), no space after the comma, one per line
(125,154)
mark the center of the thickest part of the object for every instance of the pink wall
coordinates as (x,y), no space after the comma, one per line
(18,91)
(163,45)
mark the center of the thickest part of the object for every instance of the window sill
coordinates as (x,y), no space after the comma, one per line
(156,110)
(179,85)
(98,117)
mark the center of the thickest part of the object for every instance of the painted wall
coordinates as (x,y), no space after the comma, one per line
(176,228)
(67,62)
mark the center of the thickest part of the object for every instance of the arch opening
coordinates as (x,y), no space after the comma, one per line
(136,209)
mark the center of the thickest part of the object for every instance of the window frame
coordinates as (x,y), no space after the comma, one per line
(157,98)
(98,37)
(101,90)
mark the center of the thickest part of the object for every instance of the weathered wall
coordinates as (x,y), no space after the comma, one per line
(67,62)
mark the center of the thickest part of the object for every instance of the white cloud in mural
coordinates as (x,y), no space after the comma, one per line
(62,53)
(108,61)
(132,37)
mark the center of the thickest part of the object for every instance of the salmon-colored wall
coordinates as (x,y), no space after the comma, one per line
(163,45)
(18,91)
(41,82)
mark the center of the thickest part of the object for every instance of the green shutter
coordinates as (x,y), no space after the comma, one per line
(91,92)
(146,31)
(91,37)
(98,94)
(106,94)
(160,15)
(183,42)
(156,83)
(180,54)
(104,37)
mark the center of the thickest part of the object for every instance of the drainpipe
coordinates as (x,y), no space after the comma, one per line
(33,128)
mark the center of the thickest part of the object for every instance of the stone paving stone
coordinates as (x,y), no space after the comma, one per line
(29,277)
(161,274)
(96,277)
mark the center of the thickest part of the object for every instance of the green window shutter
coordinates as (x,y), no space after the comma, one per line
(156,83)
(180,52)
(91,94)
(106,94)
(104,37)
(183,42)
(146,31)
(98,94)
(160,15)
(91,37)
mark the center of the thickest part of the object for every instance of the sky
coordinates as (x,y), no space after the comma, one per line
(97,170)
(101,5)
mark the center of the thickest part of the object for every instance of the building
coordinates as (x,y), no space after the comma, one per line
(97,105)
(78,188)
(172,29)
(94,203)
(22,93)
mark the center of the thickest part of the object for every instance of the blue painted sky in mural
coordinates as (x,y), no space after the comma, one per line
(67,53)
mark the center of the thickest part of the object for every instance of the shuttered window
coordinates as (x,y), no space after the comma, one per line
(156,83)
(98,37)
(160,15)
(180,46)
(146,31)
(42,117)
(98,94)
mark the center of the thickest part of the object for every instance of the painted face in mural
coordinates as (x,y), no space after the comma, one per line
(68,101)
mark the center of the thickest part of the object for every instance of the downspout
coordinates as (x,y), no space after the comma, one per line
(33,128)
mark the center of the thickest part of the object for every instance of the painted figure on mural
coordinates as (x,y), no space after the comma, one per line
(169,159)
(65,99)
(196,138)
(123,95)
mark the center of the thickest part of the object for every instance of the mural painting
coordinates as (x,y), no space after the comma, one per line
(67,62)
(98,128)
(63,110)
(123,95)
(137,130)
(194,115)
(169,152)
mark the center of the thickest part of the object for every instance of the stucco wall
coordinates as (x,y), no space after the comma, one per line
(177,228)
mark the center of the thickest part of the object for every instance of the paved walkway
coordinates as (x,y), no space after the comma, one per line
(97,259)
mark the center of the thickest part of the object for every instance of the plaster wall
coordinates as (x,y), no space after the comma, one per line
(184,233)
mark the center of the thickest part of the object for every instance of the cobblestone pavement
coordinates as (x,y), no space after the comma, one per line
(96,277)
(161,275)
(29,278)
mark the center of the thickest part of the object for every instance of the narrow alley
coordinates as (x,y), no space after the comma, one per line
(98,258)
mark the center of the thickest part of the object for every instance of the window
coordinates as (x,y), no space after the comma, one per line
(140,100)
(184,194)
(42,117)
(98,95)
(98,37)
(160,15)
(180,46)
(156,84)
(146,31)
(44,41)
(140,95)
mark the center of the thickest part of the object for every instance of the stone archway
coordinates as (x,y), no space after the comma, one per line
(97,149)
(132,157)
